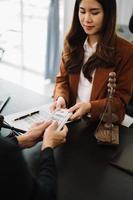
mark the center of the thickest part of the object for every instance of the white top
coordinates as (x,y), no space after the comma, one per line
(85,87)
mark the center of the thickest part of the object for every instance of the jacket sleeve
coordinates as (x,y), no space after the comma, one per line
(62,83)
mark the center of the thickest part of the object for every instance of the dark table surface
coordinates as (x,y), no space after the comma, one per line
(84,172)
(21,98)
(84,169)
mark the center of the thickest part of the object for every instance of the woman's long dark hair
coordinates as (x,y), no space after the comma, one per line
(73,46)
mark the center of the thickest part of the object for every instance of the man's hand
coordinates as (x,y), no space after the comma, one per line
(52,138)
(80,109)
(29,138)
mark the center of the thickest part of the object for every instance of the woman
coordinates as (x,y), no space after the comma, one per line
(92,50)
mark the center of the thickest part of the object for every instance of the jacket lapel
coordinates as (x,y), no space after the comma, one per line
(100,81)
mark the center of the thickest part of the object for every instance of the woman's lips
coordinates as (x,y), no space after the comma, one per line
(88,27)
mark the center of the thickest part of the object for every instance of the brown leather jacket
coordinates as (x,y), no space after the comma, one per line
(67,84)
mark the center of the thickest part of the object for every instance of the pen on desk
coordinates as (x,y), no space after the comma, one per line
(4,103)
(27,115)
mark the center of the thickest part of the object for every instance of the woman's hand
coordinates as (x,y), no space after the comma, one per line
(79,110)
(52,137)
(58,104)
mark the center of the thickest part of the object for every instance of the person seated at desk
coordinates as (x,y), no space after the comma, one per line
(92,49)
(16,181)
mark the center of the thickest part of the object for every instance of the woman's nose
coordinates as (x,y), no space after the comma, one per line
(88,18)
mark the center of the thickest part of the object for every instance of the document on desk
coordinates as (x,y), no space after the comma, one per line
(127,121)
(25,119)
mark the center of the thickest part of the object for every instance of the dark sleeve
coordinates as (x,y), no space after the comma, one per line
(16,178)
(46,181)
(46,184)
(13,140)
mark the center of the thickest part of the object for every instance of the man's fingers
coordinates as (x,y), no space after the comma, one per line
(54,125)
(45,124)
(35,125)
(64,140)
(64,131)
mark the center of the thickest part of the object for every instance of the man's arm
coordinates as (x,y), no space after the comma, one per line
(20,180)
(47,177)
(15,175)
(46,184)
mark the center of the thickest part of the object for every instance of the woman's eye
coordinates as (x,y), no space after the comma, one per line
(95,13)
(82,11)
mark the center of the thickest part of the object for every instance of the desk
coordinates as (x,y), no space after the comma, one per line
(84,172)
(21,98)
(82,165)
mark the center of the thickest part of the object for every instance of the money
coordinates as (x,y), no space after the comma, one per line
(61,116)
(41,113)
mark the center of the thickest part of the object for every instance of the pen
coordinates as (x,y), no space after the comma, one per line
(3,103)
(27,115)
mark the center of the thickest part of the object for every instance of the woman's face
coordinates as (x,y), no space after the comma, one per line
(91,16)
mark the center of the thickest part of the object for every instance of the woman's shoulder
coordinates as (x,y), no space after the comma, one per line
(124,46)
(123,51)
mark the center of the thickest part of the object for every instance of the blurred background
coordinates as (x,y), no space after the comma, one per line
(31,39)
